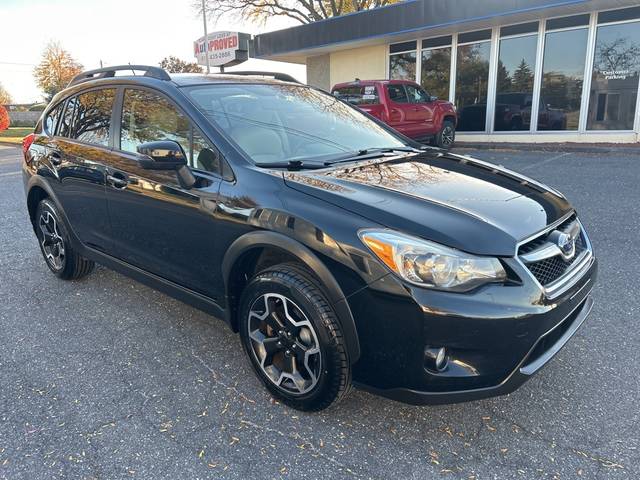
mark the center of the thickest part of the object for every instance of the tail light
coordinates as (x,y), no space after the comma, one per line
(26,143)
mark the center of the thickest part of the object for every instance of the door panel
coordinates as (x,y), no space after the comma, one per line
(79,154)
(162,228)
(422,110)
(81,189)
(399,109)
(156,224)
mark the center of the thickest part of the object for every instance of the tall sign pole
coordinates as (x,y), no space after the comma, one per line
(206,40)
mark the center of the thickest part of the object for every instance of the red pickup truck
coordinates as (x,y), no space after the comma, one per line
(405,106)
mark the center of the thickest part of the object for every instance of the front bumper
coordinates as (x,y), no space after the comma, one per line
(495,339)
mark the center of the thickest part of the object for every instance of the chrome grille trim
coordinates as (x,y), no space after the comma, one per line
(574,271)
(547,229)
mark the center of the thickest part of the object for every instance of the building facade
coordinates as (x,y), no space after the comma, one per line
(517,70)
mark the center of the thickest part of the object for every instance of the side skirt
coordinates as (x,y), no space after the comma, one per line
(195,299)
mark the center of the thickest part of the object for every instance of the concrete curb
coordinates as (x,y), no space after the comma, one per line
(630,149)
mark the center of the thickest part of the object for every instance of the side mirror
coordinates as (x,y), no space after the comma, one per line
(433,98)
(161,155)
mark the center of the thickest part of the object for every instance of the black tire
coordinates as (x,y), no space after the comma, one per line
(446,136)
(68,264)
(307,303)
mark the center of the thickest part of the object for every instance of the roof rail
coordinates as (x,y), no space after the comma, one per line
(285,77)
(106,72)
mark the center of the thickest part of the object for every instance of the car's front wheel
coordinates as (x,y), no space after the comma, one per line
(446,136)
(55,244)
(293,338)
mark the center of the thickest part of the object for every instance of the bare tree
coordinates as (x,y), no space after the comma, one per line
(56,69)
(619,54)
(175,65)
(5,98)
(303,11)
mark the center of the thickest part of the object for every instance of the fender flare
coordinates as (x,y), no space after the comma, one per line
(37,181)
(262,238)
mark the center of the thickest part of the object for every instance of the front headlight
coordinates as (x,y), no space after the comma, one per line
(430,264)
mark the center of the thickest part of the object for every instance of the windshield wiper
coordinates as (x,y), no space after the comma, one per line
(291,164)
(371,153)
(297,164)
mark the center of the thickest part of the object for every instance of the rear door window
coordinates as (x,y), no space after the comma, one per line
(397,93)
(93,116)
(358,95)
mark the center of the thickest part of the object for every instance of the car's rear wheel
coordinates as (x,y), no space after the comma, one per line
(55,245)
(446,136)
(293,338)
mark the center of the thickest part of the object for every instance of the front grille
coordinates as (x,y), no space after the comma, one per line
(551,269)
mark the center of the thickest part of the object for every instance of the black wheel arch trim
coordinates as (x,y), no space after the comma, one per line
(38,182)
(262,238)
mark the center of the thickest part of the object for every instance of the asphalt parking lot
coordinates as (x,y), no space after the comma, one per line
(106,378)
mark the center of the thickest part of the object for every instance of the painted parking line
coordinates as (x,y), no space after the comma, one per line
(10,174)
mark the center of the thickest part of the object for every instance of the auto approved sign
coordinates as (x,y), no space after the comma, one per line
(223,48)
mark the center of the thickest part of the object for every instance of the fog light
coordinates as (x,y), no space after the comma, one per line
(435,358)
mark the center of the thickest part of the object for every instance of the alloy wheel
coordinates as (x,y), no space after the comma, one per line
(51,240)
(447,136)
(284,343)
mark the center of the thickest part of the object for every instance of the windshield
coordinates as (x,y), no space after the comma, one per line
(280,123)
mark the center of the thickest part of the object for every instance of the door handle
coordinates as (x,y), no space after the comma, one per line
(117,180)
(55,158)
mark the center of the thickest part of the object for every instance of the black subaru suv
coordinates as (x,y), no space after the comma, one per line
(342,252)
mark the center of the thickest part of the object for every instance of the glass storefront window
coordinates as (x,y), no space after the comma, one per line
(514,89)
(614,81)
(562,79)
(435,71)
(471,86)
(402,66)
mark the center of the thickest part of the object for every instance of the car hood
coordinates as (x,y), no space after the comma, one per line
(451,199)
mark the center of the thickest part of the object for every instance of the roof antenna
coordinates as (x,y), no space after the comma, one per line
(132,70)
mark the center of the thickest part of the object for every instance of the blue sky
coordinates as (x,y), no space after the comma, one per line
(114,31)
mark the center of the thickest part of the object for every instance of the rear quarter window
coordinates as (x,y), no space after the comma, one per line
(358,95)
(52,118)
(66,120)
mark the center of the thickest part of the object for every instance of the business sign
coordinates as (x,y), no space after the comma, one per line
(223,48)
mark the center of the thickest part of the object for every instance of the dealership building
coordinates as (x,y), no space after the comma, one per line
(517,70)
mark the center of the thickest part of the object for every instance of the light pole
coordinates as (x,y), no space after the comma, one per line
(206,40)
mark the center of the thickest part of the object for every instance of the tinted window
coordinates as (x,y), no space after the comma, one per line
(436,68)
(437,42)
(52,119)
(416,95)
(358,95)
(402,47)
(472,81)
(93,116)
(402,66)
(562,78)
(614,81)
(516,67)
(147,117)
(67,118)
(397,93)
